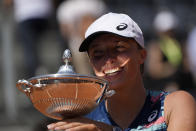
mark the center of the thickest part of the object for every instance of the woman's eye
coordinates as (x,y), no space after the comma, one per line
(98,53)
(120,48)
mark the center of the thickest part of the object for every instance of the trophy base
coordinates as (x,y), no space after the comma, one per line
(64,108)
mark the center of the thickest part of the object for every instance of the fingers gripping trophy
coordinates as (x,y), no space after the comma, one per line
(65,94)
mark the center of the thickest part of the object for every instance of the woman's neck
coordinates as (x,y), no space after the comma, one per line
(125,105)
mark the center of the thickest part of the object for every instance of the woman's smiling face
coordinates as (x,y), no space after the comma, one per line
(116,59)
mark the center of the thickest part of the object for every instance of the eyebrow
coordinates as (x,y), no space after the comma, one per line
(93,45)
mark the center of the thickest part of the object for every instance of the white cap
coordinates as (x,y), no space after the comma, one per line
(119,24)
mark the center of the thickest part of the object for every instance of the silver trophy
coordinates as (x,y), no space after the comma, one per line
(65,94)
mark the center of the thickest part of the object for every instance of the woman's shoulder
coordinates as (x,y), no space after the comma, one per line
(180,108)
(180,95)
(179,99)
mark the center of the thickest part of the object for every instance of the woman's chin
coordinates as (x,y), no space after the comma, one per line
(115,80)
(115,85)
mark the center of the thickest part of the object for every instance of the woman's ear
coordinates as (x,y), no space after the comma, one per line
(143,55)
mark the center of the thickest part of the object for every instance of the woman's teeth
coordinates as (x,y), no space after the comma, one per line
(112,71)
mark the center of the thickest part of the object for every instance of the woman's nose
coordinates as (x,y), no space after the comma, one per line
(110,57)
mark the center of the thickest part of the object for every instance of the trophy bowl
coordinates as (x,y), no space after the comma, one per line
(65,94)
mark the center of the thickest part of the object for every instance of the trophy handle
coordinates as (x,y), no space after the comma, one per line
(109,93)
(24,86)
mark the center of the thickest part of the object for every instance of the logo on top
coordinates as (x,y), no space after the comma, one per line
(122,26)
(153,115)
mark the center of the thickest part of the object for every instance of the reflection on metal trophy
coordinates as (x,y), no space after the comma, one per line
(65,94)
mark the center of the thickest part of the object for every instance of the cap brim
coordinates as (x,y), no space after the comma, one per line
(85,44)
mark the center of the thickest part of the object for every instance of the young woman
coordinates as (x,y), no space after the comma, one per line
(115,46)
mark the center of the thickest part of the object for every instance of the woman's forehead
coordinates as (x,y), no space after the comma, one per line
(107,36)
(103,38)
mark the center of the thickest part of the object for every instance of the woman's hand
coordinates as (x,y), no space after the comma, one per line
(79,124)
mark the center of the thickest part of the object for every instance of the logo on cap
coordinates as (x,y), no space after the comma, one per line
(122,26)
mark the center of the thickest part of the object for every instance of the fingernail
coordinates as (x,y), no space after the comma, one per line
(56,128)
(49,126)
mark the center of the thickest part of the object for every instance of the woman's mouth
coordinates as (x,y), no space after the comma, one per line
(112,72)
